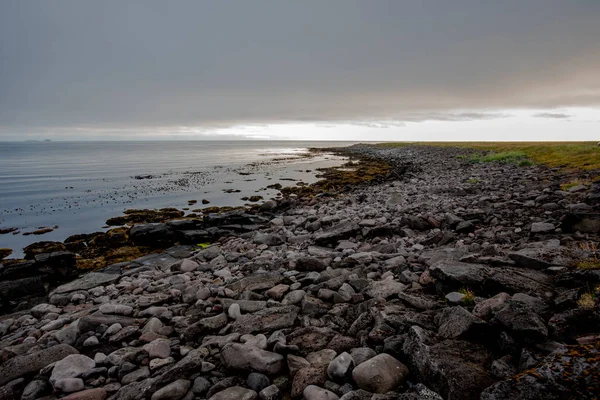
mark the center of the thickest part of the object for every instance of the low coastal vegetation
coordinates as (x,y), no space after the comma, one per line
(565,155)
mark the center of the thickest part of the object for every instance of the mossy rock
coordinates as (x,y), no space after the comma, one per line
(5,252)
(42,247)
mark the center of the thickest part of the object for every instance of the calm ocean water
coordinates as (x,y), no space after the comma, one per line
(78,185)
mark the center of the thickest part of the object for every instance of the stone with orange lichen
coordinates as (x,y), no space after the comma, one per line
(573,372)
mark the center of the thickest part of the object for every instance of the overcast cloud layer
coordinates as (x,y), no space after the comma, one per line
(141,63)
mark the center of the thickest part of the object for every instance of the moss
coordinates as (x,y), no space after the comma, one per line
(506,157)
(350,174)
(473,180)
(587,301)
(469,298)
(588,264)
(203,245)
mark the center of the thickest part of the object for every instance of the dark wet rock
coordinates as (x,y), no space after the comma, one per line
(581,222)
(309,264)
(343,230)
(458,323)
(152,234)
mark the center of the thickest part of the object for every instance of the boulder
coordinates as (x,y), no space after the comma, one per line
(458,323)
(173,391)
(313,392)
(380,374)
(242,357)
(456,369)
(72,366)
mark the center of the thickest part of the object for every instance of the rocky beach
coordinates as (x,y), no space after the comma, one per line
(413,272)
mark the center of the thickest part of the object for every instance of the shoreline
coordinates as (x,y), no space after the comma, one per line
(478,279)
(163,189)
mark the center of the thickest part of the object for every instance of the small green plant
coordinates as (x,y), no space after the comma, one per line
(203,245)
(587,301)
(473,180)
(469,298)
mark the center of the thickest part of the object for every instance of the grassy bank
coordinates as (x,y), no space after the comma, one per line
(568,155)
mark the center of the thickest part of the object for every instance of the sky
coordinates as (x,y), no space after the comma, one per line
(311,69)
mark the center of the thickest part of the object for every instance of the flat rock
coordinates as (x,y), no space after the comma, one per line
(88,281)
(458,274)
(258,281)
(267,320)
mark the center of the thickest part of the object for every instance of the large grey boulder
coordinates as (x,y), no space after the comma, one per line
(456,274)
(33,362)
(72,366)
(458,323)
(521,321)
(456,369)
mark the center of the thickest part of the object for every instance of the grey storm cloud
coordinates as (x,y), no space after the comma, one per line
(117,63)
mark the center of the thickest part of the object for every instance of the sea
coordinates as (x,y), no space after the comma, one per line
(74,187)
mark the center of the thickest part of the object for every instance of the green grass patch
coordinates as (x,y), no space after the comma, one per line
(469,298)
(473,180)
(505,157)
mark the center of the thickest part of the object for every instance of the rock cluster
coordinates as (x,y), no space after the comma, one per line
(425,287)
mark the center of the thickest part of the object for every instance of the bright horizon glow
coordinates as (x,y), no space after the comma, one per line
(565,124)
